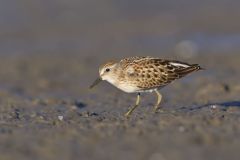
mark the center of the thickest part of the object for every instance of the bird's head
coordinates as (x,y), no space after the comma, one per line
(106,72)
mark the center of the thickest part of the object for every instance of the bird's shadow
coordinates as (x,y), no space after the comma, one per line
(230,104)
(223,105)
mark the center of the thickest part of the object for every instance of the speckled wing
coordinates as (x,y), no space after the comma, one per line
(148,72)
(132,60)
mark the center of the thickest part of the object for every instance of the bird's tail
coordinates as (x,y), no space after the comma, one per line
(197,67)
(192,68)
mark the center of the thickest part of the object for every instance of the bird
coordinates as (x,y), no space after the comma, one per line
(143,74)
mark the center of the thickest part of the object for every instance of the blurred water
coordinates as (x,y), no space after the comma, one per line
(121,27)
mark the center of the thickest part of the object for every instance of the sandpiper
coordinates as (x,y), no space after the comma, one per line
(143,74)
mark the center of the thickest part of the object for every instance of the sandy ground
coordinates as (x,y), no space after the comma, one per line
(49,55)
(47,112)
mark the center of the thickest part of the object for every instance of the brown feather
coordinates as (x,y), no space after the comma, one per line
(148,72)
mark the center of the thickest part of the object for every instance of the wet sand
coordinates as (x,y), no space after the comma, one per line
(47,112)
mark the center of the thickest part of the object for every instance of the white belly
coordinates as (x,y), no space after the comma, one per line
(127,88)
(133,89)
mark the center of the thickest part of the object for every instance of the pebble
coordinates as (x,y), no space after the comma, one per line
(60,118)
(213,106)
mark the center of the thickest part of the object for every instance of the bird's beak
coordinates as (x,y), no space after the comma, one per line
(96,82)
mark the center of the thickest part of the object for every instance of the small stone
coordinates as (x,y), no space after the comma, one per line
(226,87)
(213,106)
(78,104)
(60,118)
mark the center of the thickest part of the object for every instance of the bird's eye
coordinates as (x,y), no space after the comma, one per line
(107,70)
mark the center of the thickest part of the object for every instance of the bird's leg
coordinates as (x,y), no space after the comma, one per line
(134,107)
(159,98)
